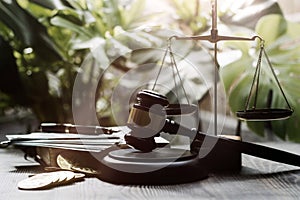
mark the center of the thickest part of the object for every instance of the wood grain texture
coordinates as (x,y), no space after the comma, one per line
(259,179)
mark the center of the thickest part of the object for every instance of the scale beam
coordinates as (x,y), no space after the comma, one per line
(216,38)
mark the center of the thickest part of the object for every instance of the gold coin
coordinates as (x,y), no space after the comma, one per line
(49,179)
(61,176)
(64,176)
(84,170)
(79,175)
(69,175)
(38,181)
(63,163)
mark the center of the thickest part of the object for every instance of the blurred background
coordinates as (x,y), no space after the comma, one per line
(64,56)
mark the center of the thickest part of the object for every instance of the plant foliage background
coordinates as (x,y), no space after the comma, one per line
(45,42)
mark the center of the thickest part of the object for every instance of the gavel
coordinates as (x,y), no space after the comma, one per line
(148,117)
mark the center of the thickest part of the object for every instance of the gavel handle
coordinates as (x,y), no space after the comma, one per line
(236,145)
(264,152)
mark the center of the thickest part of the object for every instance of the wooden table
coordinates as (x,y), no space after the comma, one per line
(259,179)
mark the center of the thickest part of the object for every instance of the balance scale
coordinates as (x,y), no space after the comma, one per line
(144,163)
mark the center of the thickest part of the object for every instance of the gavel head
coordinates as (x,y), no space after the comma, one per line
(146,119)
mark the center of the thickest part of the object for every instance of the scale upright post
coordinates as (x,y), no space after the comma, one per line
(215,38)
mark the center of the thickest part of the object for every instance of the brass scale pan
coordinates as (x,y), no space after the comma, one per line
(263,114)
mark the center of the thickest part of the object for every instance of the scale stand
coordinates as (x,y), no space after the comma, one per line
(247,114)
(214,37)
(233,158)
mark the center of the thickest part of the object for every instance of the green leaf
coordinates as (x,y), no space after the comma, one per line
(133,12)
(239,92)
(132,39)
(77,4)
(272,32)
(248,13)
(10,82)
(242,46)
(72,16)
(100,55)
(112,14)
(64,23)
(257,127)
(88,44)
(15,18)
(232,73)
(116,48)
(29,31)
(51,4)
(292,127)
